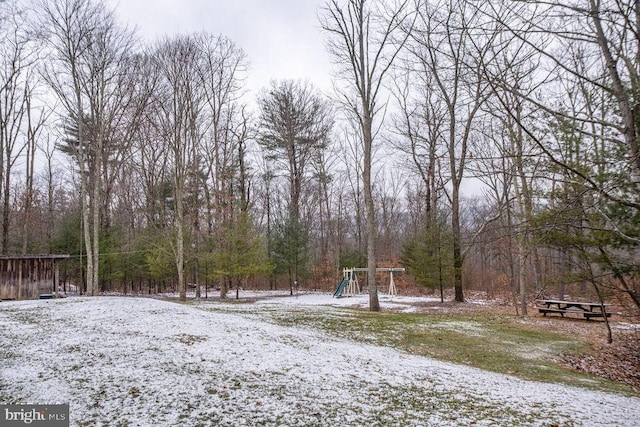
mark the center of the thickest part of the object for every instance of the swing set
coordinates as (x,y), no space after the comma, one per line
(349,285)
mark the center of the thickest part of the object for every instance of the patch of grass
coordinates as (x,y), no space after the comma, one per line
(406,402)
(31,317)
(189,339)
(75,348)
(134,392)
(496,343)
(6,354)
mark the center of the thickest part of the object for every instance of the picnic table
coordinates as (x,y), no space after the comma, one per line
(586,309)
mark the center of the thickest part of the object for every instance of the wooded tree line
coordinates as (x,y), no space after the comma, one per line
(488,145)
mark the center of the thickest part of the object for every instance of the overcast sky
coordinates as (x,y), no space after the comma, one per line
(281,38)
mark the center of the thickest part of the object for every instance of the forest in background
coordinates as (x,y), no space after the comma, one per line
(151,165)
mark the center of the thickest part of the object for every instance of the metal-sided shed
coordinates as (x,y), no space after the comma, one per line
(29,276)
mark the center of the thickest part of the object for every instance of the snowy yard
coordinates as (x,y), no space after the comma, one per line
(124,361)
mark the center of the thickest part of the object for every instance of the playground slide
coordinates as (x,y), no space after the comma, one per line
(340,288)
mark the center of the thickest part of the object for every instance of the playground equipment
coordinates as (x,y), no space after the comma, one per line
(349,285)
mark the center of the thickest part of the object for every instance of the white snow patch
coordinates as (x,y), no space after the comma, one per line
(627,326)
(392,302)
(147,362)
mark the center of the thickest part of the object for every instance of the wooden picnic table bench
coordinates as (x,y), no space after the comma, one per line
(586,309)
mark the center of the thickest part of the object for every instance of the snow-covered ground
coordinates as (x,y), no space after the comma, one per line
(147,362)
(397,302)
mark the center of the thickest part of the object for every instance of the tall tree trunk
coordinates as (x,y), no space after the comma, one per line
(95,220)
(374,303)
(86,234)
(6,208)
(179,255)
(457,242)
(30,164)
(85,201)
(522,279)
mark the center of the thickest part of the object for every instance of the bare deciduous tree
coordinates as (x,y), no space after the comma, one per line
(87,57)
(442,43)
(587,83)
(16,60)
(222,68)
(363,43)
(180,102)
